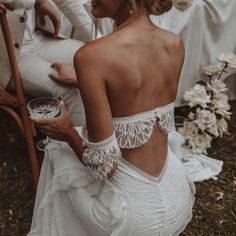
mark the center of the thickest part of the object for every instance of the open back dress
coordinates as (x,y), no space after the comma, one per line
(79,200)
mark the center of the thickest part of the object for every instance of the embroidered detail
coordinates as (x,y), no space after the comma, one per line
(134,134)
(102,157)
(134,131)
(166,122)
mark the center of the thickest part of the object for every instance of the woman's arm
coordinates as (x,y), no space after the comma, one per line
(101,153)
(102,146)
(90,68)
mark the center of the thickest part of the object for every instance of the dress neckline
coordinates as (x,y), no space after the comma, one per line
(146,114)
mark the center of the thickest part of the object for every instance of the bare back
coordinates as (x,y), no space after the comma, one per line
(144,67)
(141,69)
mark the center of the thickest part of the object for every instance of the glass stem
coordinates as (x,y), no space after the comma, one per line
(48,139)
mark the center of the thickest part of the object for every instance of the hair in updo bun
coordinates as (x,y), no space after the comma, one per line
(158,7)
(154,7)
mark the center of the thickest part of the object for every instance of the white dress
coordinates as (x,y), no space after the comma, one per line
(77,200)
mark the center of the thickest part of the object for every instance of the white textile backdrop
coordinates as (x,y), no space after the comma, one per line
(207,29)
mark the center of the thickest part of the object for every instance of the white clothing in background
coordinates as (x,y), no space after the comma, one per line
(35,62)
(30,26)
(207,29)
(35,54)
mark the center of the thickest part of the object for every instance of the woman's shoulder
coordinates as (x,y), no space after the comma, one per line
(97,51)
(171,41)
(93,61)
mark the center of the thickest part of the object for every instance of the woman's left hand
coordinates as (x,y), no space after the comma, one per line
(59,128)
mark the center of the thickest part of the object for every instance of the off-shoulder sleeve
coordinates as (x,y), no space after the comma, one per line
(101,157)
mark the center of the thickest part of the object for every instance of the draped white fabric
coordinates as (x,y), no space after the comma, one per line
(198,166)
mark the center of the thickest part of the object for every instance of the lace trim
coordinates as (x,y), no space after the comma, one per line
(166,122)
(102,157)
(134,131)
(135,134)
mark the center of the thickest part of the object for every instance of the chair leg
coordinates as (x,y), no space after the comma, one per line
(30,144)
(15,116)
(25,126)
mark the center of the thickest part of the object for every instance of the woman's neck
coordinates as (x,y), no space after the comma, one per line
(121,14)
(122,19)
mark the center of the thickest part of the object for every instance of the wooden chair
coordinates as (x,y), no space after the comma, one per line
(10,102)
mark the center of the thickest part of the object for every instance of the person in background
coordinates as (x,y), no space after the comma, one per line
(36,51)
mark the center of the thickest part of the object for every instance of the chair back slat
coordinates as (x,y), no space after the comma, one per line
(19,100)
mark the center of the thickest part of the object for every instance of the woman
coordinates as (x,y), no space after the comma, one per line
(117,175)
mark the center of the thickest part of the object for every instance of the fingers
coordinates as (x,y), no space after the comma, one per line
(42,121)
(56,66)
(50,134)
(56,24)
(54,76)
(58,78)
(63,108)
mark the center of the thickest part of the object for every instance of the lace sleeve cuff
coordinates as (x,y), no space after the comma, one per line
(102,157)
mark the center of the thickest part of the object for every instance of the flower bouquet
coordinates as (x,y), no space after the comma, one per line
(209,110)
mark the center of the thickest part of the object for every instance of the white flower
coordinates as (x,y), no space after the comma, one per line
(217,86)
(189,129)
(197,96)
(214,130)
(222,97)
(229,58)
(210,70)
(182,4)
(200,143)
(221,106)
(222,126)
(191,115)
(205,119)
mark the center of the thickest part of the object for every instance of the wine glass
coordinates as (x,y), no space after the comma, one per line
(44,107)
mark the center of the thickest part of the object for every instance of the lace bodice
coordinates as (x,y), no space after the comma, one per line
(129,132)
